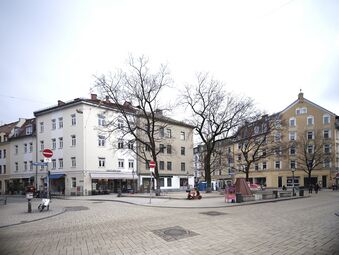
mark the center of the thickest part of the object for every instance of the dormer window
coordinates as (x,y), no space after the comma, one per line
(29,130)
(326,119)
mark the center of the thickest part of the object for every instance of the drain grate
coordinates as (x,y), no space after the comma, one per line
(214,213)
(174,233)
(76,208)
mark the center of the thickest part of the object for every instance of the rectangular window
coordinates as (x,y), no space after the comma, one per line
(327,134)
(41,127)
(53,124)
(161,132)
(61,163)
(182,150)
(73,140)
(277,164)
(16,151)
(74,182)
(25,148)
(73,120)
(25,166)
(131,164)
(30,165)
(327,148)
(130,145)
(169,133)
(101,140)
(61,142)
(264,165)
(292,136)
(120,124)
(73,162)
(102,162)
(120,144)
(256,167)
(169,165)
(169,149)
(327,163)
(310,135)
(120,163)
(147,147)
(53,164)
(30,147)
(310,149)
(292,150)
(310,121)
(162,182)
(293,164)
(29,130)
(4,169)
(101,120)
(292,122)
(162,148)
(16,166)
(326,119)
(162,165)
(61,122)
(169,182)
(53,144)
(182,135)
(42,145)
(183,167)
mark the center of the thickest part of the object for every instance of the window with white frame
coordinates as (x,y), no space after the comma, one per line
(41,125)
(25,166)
(102,162)
(120,144)
(264,165)
(293,122)
(53,124)
(327,133)
(169,182)
(73,162)
(101,140)
(25,148)
(61,142)
(292,150)
(327,163)
(42,145)
(61,122)
(169,133)
(53,144)
(30,149)
(61,163)
(101,120)
(310,121)
(53,164)
(293,164)
(310,148)
(277,164)
(327,148)
(73,141)
(326,119)
(310,135)
(182,135)
(16,149)
(131,164)
(120,163)
(29,130)
(300,111)
(292,136)
(73,119)
(130,145)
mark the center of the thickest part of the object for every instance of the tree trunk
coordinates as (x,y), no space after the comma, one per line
(207,163)
(247,173)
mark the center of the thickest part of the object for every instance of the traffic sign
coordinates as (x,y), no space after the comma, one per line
(151,164)
(47,153)
(47,160)
(40,164)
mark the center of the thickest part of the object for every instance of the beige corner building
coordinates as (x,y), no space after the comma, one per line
(302,122)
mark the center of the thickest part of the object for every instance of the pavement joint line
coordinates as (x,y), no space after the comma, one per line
(38,219)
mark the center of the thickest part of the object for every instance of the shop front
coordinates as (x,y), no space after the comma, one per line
(105,183)
(17,185)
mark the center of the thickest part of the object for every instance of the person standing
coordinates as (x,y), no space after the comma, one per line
(310,188)
(316,188)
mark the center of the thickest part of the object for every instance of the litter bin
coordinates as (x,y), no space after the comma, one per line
(301,193)
(275,193)
(238,198)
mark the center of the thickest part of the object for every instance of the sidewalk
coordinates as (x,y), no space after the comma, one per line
(15,212)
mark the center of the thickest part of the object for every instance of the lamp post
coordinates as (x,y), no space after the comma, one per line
(293,170)
(133,186)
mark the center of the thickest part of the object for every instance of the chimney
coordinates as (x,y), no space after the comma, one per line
(60,102)
(301,96)
(94,97)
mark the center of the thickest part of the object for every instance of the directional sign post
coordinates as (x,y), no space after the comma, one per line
(151,168)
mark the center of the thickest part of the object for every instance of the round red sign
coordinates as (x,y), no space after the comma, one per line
(152,164)
(47,153)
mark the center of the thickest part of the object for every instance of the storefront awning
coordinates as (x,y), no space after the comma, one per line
(56,176)
(111,176)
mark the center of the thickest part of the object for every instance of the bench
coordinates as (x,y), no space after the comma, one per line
(285,193)
(3,199)
(268,195)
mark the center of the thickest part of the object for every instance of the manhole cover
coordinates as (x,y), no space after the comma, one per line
(174,233)
(213,213)
(76,208)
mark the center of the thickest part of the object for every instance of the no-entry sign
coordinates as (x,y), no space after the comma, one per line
(151,164)
(47,153)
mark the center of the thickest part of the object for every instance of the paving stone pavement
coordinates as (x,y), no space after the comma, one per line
(301,226)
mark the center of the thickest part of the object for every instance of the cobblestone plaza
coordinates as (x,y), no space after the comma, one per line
(307,225)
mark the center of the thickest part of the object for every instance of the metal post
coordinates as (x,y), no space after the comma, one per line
(150,189)
(293,194)
(133,186)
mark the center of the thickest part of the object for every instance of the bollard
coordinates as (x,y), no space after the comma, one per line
(29,206)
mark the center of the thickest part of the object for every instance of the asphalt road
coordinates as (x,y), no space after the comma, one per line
(301,226)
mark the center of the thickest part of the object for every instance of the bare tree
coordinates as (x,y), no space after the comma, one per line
(135,94)
(215,115)
(313,152)
(258,140)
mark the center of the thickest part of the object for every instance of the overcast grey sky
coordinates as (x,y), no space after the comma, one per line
(264,49)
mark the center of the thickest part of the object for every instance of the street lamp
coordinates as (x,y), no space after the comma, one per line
(133,186)
(293,170)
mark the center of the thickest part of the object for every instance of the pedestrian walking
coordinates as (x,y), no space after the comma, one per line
(310,188)
(316,188)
